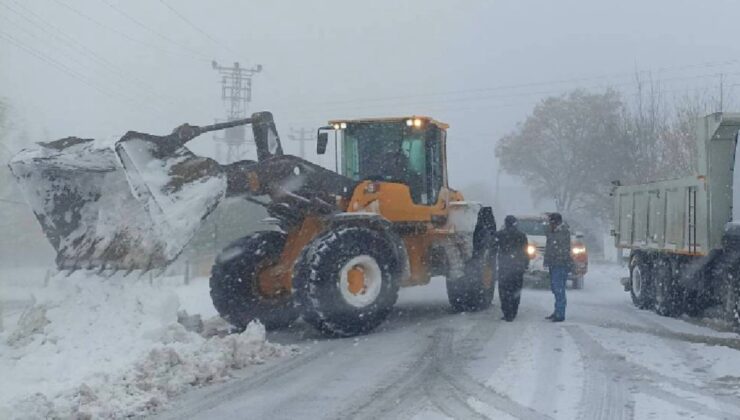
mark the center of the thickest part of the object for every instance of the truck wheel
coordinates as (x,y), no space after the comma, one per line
(474,290)
(731,295)
(640,282)
(735,308)
(346,282)
(235,285)
(667,292)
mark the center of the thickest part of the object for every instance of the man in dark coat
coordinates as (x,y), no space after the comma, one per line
(558,260)
(511,248)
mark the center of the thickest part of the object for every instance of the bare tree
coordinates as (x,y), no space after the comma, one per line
(565,149)
(659,132)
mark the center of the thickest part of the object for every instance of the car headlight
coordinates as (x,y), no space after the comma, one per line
(531,250)
(578,250)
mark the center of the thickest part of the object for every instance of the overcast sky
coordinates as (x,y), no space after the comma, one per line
(101,67)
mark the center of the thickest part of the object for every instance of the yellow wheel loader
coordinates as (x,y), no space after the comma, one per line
(343,244)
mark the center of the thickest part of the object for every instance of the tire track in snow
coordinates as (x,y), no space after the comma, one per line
(658,329)
(454,373)
(442,394)
(233,389)
(387,400)
(642,379)
(685,403)
(550,338)
(692,363)
(439,374)
(605,392)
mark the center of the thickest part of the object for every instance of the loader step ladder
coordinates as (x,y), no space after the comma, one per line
(692,245)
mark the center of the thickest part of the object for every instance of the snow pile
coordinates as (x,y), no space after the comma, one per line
(110,348)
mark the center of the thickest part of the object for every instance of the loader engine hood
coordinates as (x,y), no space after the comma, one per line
(109,208)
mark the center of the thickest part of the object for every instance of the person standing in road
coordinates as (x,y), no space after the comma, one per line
(510,245)
(558,261)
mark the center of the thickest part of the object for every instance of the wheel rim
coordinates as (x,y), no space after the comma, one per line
(360,281)
(637,281)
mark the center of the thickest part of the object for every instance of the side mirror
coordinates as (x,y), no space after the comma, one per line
(321,141)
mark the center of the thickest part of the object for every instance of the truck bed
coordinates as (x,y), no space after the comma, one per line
(667,216)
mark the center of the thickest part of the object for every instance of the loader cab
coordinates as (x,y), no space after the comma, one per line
(408,150)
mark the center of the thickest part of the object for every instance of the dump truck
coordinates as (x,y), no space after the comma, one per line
(342,244)
(683,235)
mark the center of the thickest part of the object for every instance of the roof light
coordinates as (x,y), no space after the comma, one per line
(417,122)
(343,125)
(409,123)
(336,126)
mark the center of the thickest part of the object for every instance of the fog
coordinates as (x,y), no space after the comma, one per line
(100,67)
(180,288)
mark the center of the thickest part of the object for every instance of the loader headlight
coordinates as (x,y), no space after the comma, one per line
(531,250)
(414,122)
(578,250)
(340,126)
(372,188)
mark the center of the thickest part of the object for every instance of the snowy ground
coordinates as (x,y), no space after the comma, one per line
(607,361)
(86,346)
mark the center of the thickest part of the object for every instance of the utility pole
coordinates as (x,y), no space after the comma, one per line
(721,92)
(302,136)
(236,93)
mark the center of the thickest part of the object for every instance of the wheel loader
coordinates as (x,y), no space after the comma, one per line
(342,242)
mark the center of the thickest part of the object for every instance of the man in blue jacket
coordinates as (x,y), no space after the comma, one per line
(558,261)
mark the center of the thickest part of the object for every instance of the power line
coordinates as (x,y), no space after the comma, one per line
(58,65)
(116,31)
(435,107)
(155,32)
(620,75)
(194,26)
(483,98)
(3,200)
(302,136)
(78,47)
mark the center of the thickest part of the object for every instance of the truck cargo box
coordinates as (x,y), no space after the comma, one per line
(686,215)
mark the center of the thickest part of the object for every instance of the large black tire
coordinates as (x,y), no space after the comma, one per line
(668,294)
(321,281)
(641,282)
(730,293)
(474,290)
(235,285)
(734,310)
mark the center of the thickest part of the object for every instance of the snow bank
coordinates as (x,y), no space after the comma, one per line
(112,348)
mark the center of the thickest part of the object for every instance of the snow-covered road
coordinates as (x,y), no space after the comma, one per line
(607,361)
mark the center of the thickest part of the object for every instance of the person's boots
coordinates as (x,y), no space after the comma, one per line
(550,317)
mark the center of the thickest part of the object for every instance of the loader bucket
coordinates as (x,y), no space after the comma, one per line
(101,214)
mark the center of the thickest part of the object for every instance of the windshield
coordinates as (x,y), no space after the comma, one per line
(382,151)
(534,227)
(393,152)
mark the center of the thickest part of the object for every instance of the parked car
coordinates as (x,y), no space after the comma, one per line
(535,227)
